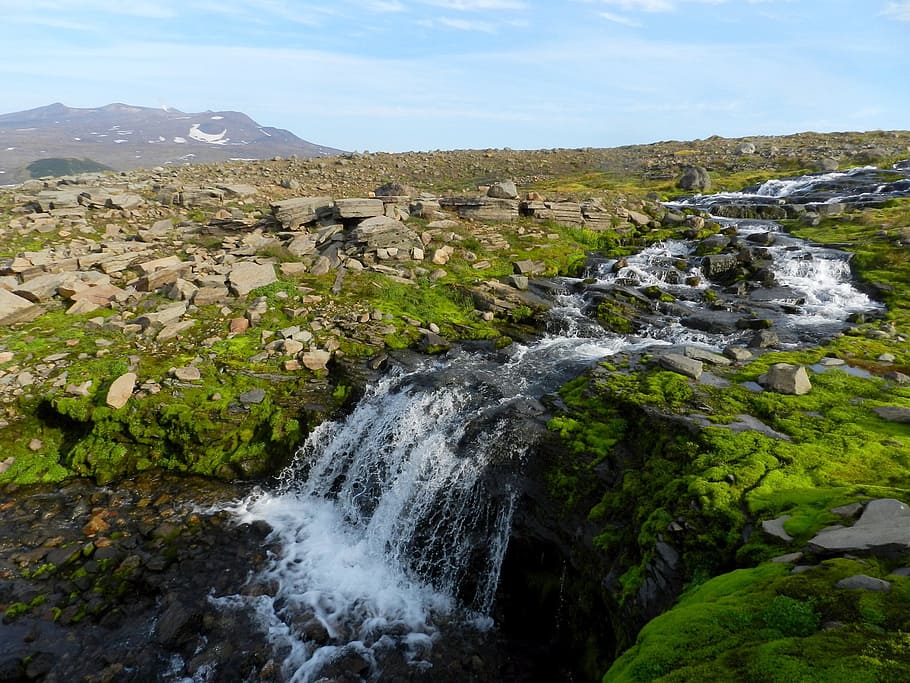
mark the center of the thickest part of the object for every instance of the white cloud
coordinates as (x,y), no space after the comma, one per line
(467,25)
(642,5)
(898,10)
(476,5)
(384,6)
(619,19)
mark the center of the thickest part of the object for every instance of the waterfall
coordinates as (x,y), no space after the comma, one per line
(390,526)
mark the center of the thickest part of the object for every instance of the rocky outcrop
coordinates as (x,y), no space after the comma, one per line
(883,530)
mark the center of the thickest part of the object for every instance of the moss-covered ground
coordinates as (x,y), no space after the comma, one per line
(652,456)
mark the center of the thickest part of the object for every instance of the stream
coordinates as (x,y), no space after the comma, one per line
(378,555)
(392,525)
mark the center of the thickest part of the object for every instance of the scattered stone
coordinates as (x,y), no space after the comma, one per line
(705,356)
(239,325)
(784,378)
(847,511)
(358,208)
(431,343)
(764,339)
(35,445)
(865,583)
(121,390)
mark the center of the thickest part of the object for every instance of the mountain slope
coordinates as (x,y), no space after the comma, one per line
(125,137)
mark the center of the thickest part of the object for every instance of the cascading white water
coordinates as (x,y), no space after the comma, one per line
(392,524)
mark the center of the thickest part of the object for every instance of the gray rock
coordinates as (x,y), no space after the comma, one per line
(358,208)
(430,342)
(775,528)
(382,232)
(719,265)
(293,213)
(519,281)
(529,267)
(764,339)
(789,558)
(705,356)
(316,359)
(482,208)
(395,189)
(744,148)
(882,529)
(162,316)
(247,276)
(694,178)
(188,374)
(847,511)
(503,190)
(121,390)
(784,378)
(681,364)
(15,309)
(738,354)
(253,396)
(865,583)
(827,164)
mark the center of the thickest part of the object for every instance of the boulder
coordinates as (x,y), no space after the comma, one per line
(382,232)
(247,276)
(395,189)
(882,529)
(15,309)
(719,266)
(316,359)
(694,178)
(482,208)
(864,583)
(121,389)
(744,148)
(893,413)
(358,208)
(775,528)
(503,190)
(293,213)
(678,363)
(784,378)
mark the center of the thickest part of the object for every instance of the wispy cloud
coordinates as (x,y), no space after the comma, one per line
(619,19)
(477,5)
(384,6)
(898,10)
(467,25)
(642,5)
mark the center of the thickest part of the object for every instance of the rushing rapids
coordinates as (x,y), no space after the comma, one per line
(390,527)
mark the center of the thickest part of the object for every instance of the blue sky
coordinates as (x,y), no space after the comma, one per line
(398,75)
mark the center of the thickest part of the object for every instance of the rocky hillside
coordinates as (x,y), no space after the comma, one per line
(57,140)
(203,319)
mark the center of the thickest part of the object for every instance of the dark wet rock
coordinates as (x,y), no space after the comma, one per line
(179,624)
(719,266)
(764,339)
(694,178)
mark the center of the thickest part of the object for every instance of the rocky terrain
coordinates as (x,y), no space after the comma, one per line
(203,319)
(58,140)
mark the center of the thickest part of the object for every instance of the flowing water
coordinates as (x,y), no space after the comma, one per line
(391,525)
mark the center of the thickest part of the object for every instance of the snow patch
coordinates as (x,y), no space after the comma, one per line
(10,149)
(217,118)
(120,140)
(78,139)
(265,132)
(180,141)
(210,138)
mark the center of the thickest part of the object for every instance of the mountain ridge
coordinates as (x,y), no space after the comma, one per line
(126,137)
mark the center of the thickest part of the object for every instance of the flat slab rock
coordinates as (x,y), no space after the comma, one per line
(882,529)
